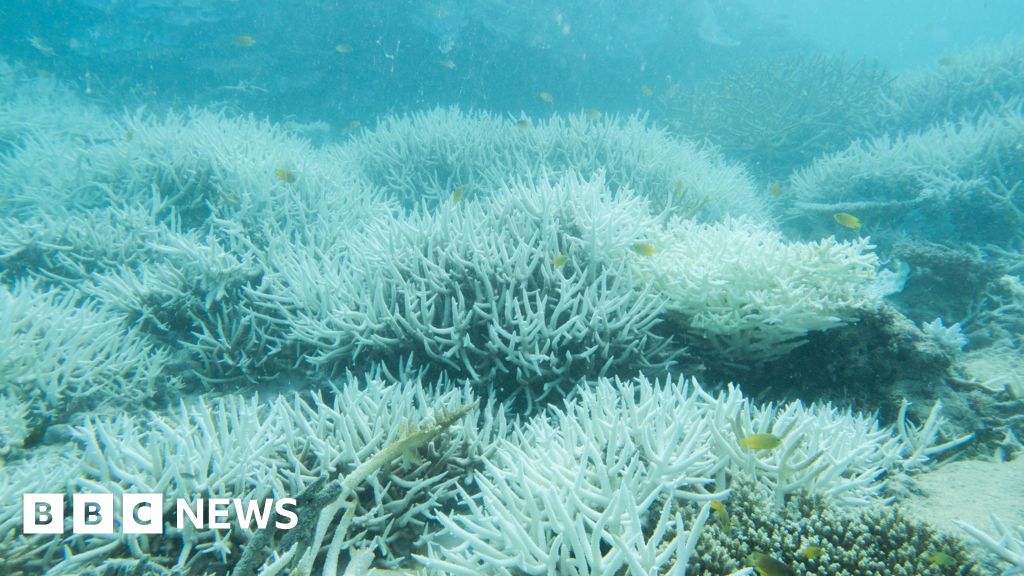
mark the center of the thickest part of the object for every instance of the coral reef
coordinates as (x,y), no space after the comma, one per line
(1007,546)
(619,480)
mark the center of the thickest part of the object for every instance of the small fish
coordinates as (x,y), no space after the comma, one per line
(245,41)
(947,61)
(644,249)
(768,566)
(441,13)
(40,45)
(559,261)
(680,190)
(646,90)
(721,515)
(127,136)
(343,48)
(547,97)
(811,552)
(523,123)
(592,114)
(761,441)
(847,220)
(941,559)
(458,194)
(776,189)
(447,63)
(353,125)
(285,175)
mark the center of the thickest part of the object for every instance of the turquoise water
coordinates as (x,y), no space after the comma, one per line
(708,287)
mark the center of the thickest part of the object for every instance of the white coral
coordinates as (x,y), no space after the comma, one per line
(751,294)
(1006,546)
(620,480)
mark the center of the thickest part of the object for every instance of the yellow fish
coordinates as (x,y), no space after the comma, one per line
(523,123)
(285,175)
(680,189)
(941,559)
(644,249)
(947,61)
(594,115)
(447,63)
(245,41)
(811,552)
(847,220)
(646,91)
(353,125)
(441,13)
(721,515)
(761,441)
(342,48)
(768,566)
(458,194)
(776,189)
(559,261)
(547,97)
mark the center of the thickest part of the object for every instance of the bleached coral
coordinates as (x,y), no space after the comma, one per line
(949,338)
(750,294)
(423,157)
(62,354)
(243,448)
(1007,546)
(962,85)
(779,114)
(956,181)
(474,288)
(621,480)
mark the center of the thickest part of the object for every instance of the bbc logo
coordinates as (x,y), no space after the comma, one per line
(91,513)
(144,513)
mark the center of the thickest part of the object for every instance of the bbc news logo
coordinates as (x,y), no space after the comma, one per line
(144,513)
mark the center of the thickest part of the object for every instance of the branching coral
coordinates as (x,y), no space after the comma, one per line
(422,158)
(779,115)
(951,183)
(962,85)
(474,289)
(749,295)
(810,536)
(62,355)
(622,479)
(1007,546)
(368,440)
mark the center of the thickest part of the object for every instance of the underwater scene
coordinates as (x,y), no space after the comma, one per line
(483,287)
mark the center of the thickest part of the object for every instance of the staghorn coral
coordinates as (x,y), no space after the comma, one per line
(62,354)
(743,293)
(472,290)
(954,183)
(963,85)
(780,114)
(236,447)
(1006,547)
(620,481)
(422,158)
